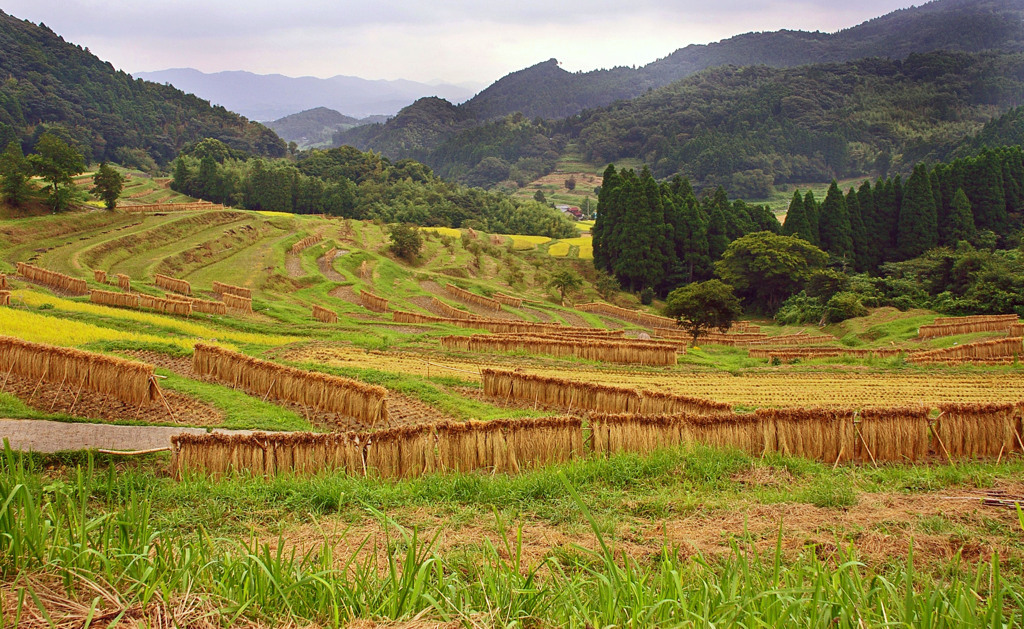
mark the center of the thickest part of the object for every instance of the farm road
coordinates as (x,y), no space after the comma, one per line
(49,436)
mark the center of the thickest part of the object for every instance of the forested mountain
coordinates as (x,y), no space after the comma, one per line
(315,127)
(547,91)
(50,84)
(272,96)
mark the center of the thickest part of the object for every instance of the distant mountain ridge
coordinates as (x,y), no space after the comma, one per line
(273,96)
(316,127)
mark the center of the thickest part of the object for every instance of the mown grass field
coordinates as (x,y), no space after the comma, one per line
(690,536)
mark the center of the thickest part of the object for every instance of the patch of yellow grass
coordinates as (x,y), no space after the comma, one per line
(189,328)
(585,244)
(30,326)
(444,231)
(559,249)
(272,213)
(525,243)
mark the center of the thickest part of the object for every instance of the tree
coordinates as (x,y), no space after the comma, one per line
(835,233)
(405,241)
(797,223)
(765,268)
(918,229)
(961,219)
(56,163)
(14,170)
(107,185)
(566,281)
(703,306)
(570,183)
(539,197)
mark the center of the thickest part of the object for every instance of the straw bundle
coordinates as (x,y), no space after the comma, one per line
(65,283)
(168,306)
(951,326)
(508,300)
(110,298)
(622,352)
(892,434)
(508,446)
(472,298)
(325,315)
(614,433)
(732,430)
(174,285)
(3,281)
(559,393)
(981,351)
(171,207)
(124,282)
(5,298)
(1016,329)
(629,315)
(273,381)
(404,452)
(234,302)
(792,339)
(373,302)
(655,403)
(263,454)
(498,326)
(306,242)
(99,276)
(201,305)
(227,289)
(128,381)
(820,434)
(451,311)
(975,430)
(789,355)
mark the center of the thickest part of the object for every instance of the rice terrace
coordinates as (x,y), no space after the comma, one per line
(677,345)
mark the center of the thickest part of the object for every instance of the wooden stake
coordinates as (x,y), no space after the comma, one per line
(270,388)
(57,394)
(862,440)
(36,388)
(839,456)
(1000,457)
(166,405)
(72,409)
(7,378)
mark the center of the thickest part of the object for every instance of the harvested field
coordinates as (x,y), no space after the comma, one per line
(600,350)
(473,308)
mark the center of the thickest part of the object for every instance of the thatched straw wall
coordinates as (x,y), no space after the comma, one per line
(472,298)
(267,454)
(451,311)
(508,300)
(975,430)
(201,305)
(498,326)
(306,242)
(656,403)
(892,434)
(128,381)
(789,355)
(5,298)
(622,352)
(793,339)
(556,392)
(234,302)
(818,433)
(99,276)
(1016,329)
(110,298)
(65,283)
(373,302)
(314,390)
(171,207)
(634,316)
(981,351)
(124,282)
(168,306)
(323,314)
(227,289)
(966,325)
(172,284)
(625,432)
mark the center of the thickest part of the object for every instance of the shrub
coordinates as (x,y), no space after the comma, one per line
(844,306)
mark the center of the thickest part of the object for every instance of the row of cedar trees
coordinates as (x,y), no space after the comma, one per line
(897,220)
(827,435)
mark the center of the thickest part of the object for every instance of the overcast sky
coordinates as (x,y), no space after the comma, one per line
(452,40)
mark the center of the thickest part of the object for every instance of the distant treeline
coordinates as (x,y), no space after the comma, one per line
(350,183)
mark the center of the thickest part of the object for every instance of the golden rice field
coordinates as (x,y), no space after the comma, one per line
(526,243)
(38,328)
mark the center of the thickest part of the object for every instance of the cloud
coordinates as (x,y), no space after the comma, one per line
(455,40)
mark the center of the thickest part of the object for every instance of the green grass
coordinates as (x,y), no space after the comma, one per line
(241,411)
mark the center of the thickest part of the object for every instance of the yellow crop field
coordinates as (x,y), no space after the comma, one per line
(36,299)
(525,243)
(38,328)
(444,231)
(272,213)
(559,249)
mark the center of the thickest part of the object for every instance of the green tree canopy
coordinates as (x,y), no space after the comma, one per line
(406,241)
(107,185)
(766,268)
(565,281)
(14,171)
(703,306)
(56,163)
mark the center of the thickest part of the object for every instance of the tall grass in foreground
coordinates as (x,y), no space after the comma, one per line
(56,544)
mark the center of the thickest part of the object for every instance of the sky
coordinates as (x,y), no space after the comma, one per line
(455,41)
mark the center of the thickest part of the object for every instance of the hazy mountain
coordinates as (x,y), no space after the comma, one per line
(50,84)
(273,96)
(548,91)
(316,127)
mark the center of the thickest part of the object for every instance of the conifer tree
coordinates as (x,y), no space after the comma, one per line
(642,253)
(984,189)
(718,238)
(811,210)
(918,230)
(834,224)
(690,237)
(961,219)
(14,171)
(887,214)
(606,216)
(857,230)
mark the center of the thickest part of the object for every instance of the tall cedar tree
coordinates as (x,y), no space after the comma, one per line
(641,257)
(857,230)
(984,188)
(813,217)
(961,220)
(835,233)
(887,214)
(796,219)
(869,214)
(918,226)
(607,216)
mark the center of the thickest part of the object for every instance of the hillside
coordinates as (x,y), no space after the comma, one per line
(314,127)
(106,113)
(272,96)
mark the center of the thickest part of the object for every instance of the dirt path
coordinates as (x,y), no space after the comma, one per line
(48,436)
(293,265)
(327,268)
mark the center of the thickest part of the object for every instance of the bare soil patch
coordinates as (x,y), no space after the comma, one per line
(436,289)
(327,269)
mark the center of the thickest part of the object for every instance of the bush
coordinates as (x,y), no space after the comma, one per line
(800,308)
(647,296)
(844,306)
(825,283)
(406,241)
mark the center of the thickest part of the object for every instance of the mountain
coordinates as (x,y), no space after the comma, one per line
(316,127)
(273,96)
(50,84)
(547,91)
